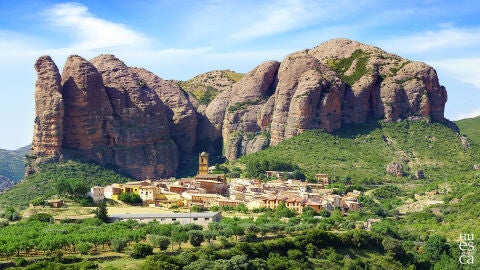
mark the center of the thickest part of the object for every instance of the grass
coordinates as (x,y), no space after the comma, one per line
(123,263)
(471,128)
(243,105)
(234,76)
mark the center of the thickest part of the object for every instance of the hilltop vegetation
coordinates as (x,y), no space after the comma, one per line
(44,183)
(358,155)
(12,163)
(471,128)
(363,151)
(205,87)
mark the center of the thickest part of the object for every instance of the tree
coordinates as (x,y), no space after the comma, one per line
(196,237)
(11,214)
(434,247)
(131,198)
(197,208)
(283,211)
(277,262)
(241,208)
(237,230)
(160,262)
(179,237)
(102,212)
(311,250)
(160,241)
(298,174)
(394,247)
(84,247)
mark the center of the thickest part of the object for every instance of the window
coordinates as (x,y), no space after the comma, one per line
(195,218)
(173,219)
(207,218)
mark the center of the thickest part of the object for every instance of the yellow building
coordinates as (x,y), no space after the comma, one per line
(130,187)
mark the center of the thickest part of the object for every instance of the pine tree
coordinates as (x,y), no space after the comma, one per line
(102,212)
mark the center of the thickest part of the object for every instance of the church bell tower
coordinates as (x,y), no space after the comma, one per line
(203,163)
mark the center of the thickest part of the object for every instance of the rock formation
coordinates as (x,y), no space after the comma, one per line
(130,118)
(49,110)
(395,169)
(338,82)
(242,129)
(180,112)
(143,146)
(88,121)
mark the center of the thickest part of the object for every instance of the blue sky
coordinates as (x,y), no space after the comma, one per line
(179,39)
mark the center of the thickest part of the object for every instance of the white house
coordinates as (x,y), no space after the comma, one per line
(97,193)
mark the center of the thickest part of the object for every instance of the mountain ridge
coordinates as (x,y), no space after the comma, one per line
(129,118)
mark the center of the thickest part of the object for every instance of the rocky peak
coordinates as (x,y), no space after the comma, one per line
(49,110)
(241,130)
(88,120)
(108,112)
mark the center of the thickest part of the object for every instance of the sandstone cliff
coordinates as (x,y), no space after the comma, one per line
(337,83)
(111,117)
(130,118)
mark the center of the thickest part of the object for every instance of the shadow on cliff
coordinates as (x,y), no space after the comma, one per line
(353,130)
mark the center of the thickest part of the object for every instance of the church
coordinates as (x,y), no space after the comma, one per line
(212,183)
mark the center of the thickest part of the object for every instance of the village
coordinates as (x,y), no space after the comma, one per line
(207,190)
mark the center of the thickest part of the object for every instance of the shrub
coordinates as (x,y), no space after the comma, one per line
(130,198)
(42,217)
(159,241)
(119,244)
(141,250)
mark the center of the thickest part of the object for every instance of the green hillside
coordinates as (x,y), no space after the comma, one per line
(471,128)
(362,152)
(44,183)
(12,163)
(359,154)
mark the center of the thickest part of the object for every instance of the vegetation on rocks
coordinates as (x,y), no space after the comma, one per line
(205,87)
(342,65)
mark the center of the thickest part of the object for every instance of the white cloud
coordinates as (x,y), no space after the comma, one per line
(281,17)
(466,70)
(243,21)
(444,39)
(89,31)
